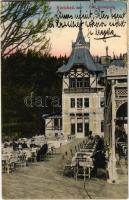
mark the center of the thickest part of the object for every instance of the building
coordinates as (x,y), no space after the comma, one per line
(87,102)
(115,113)
(53,124)
(116,96)
(82,95)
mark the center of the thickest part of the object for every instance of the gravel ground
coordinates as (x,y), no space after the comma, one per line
(45,180)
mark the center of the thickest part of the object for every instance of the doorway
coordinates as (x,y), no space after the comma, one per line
(86,130)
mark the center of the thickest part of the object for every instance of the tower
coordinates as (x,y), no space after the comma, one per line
(82,96)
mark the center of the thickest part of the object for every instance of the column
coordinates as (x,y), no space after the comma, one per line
(75,126)
(83,122)
(112,161)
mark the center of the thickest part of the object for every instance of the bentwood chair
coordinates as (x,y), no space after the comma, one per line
(84,168)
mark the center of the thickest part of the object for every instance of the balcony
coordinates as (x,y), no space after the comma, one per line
(117,71)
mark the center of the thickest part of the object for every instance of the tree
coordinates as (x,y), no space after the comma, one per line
(24,25)
(29,72)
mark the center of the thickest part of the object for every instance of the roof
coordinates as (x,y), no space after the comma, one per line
(80,38)
(117,62)
(81,56)
(44,116)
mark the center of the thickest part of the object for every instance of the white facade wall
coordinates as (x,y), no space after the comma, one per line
(96,112)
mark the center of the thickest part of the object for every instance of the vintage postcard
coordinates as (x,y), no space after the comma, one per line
(64,99)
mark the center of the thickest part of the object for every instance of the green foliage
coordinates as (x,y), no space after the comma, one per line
(24,25)
(22,74)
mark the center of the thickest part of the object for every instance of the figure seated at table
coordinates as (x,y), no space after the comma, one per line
(24,145)
(43,150)
(99,162)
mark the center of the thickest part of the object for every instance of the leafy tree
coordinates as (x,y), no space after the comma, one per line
(24,25)
(23,73)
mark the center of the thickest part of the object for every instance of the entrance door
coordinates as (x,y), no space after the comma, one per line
(86,129)
(72,129)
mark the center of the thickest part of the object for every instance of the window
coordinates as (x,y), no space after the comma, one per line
(122,80)
(72,103)
(79,114)
(79,125)
(72,114)
(79,82)
(86,102)
(102,126)
(72,129)
(56,123)
(72,83)
(79,103)
(86,114)
(87,82)
(102,101)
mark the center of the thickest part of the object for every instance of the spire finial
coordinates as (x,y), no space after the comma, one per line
(80,26)
(106,50)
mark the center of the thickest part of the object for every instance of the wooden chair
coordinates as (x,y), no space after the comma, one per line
(83,169)
(7,167)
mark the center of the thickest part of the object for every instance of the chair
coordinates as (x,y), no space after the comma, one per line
(7,167)
(83,168)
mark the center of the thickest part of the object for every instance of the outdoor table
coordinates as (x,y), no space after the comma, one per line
(87,150)
(88,147)
(5,157)
(8,162)
(34,153)
(83,153)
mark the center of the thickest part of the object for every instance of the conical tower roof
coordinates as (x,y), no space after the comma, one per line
(80,55)
(80,38)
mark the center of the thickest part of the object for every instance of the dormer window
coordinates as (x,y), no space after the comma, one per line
(72,83)
(79,82)
(86,82)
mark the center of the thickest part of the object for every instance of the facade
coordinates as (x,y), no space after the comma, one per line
(116,95)
(88,87)
(115,114)
(82,95)
(53,125)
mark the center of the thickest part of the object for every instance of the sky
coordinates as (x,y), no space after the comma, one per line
(61,38)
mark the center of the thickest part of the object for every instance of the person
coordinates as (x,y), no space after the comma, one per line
(124,135)
(24,145)
(56,135)
(90,134)
(121,139)
(99,143)
(42,151)
(6,144)
(32,144)
(19,144)
(73,162)
(99,161)
(91,140)
(15,145)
